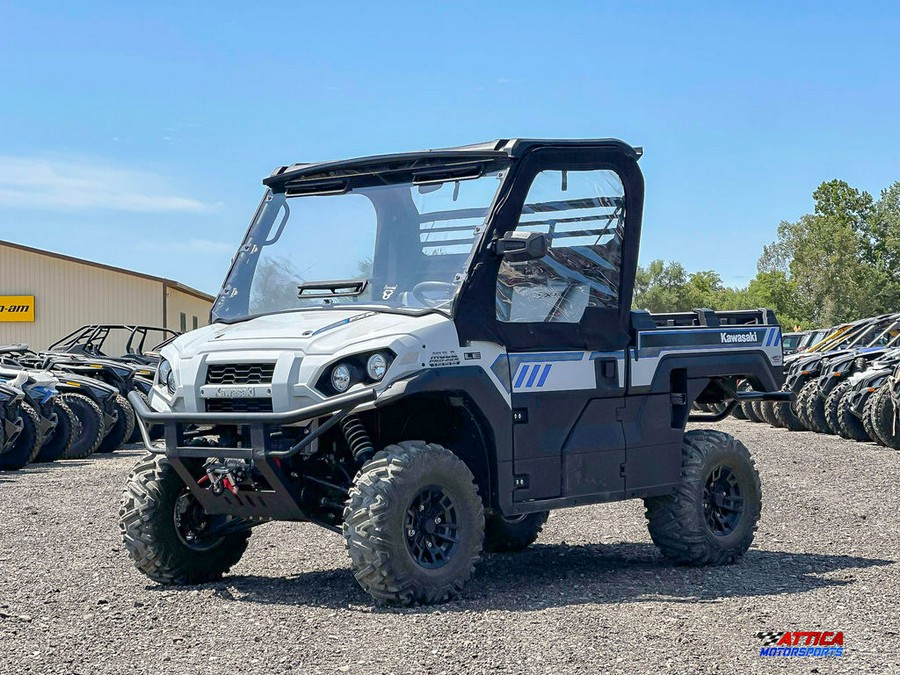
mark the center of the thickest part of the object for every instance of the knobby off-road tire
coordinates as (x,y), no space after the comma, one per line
(787,418)
(121,430)
(512,534)
(884,419)
(749,412)
(767,408)
(90,425)
(712,516)
(738,412)
(833,406)
(406,544)
(147,521)
(850,425)
(62,436)
(802,407)
(868,418)
(815,411)
(27,445)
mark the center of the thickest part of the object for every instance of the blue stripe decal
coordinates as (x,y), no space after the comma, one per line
(777,337)
(544,375)
(523,371)
(769,335)
(534,374)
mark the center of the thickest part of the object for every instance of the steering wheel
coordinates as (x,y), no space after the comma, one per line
(423,287)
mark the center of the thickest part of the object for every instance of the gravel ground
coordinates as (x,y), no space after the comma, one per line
(592,595)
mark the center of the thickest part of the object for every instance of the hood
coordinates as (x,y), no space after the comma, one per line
(310,331)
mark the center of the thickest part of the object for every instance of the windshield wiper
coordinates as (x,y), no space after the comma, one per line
(332,289)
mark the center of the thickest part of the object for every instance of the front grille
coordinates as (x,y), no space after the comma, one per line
(239,405)
(239,373)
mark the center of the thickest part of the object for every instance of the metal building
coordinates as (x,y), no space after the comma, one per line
(44,296)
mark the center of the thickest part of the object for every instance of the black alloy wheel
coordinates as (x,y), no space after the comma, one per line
(431,526)
(723,504)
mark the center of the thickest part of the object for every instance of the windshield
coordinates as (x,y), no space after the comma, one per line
(400,245)
(791,341)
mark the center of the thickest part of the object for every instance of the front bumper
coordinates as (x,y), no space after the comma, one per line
(259,423)
(282,500)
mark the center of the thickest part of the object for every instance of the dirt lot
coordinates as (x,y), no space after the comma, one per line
(592,595)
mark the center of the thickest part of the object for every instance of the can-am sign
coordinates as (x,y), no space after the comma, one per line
(17,308)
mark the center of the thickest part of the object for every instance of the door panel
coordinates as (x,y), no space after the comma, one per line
(566,435)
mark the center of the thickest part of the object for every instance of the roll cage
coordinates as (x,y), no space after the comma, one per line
(474,305)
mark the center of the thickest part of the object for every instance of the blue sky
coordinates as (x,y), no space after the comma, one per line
(136,134)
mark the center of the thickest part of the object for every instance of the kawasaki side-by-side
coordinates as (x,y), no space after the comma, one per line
(427,352)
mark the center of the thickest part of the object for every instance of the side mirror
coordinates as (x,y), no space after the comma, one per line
(522,246)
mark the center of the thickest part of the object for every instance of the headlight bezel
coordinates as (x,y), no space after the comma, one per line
(165,376)
(373,364)
(337,375)
(359,371)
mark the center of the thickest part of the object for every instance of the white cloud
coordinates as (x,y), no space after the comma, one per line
(66,183)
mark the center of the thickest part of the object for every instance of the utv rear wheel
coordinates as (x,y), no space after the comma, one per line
(503,534)
(89,434)
(802,404)
(712,516)
(787,418)
(884,418)
(27,445)
(851,426)
(168,535)
(833,406)
(738,412)
(59,440)
(122,429)
(749,412)
(767,408)
(815,411)
(868,418)
(414,524)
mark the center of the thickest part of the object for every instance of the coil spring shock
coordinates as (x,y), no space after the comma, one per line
(357,438)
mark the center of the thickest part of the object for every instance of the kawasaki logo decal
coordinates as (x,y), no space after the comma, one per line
(740,337)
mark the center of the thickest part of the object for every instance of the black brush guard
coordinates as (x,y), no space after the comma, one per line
(283,500)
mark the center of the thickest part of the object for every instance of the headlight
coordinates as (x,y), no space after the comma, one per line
(376,366)
(165,375)
(341,377)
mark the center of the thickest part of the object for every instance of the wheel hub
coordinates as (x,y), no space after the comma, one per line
(723,504)
(431,528)
(192,522)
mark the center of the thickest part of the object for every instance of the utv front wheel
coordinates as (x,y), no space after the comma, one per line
(27,445)
(503,534)
(712,516)
(168,534)
(121,430)
(413,524)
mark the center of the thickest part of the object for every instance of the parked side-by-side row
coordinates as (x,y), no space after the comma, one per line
(71,400)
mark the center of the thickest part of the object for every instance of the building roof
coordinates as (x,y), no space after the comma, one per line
(177,285)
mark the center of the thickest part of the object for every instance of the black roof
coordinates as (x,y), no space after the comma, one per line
(499,149)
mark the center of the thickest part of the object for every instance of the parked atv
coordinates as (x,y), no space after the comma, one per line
(808,373)
(119,376)
(11,423)
(39,411)
(88,407)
